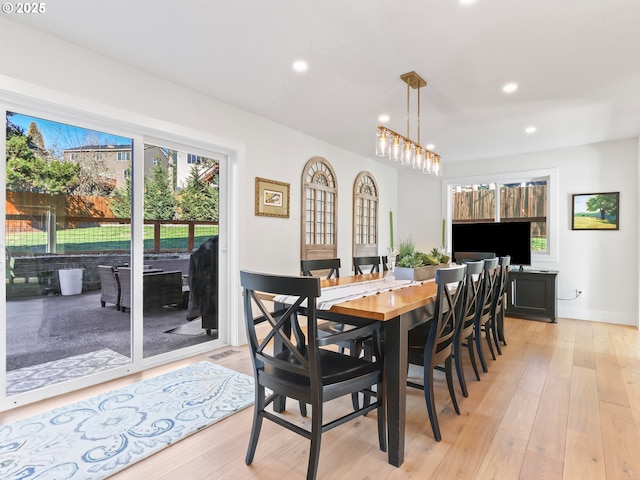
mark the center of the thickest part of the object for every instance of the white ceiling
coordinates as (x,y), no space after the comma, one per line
(577,64)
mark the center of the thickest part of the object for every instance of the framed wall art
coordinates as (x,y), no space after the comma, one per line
(595,211)
(272,198)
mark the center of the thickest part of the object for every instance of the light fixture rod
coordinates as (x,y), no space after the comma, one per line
(415,81)
(408,113)
(418,116)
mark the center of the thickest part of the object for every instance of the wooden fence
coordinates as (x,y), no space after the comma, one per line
(518,203)
(29,212)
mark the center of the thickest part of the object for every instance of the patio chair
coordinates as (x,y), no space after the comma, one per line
(109,286)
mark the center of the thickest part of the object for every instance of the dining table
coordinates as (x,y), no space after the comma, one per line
(399,308)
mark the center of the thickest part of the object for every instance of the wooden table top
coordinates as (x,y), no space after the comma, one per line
(383,306)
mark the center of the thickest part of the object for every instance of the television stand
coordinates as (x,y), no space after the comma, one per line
(532,293)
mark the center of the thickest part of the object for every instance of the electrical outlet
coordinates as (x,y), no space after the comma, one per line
(579,293)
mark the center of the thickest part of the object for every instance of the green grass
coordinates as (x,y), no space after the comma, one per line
(107,238)
(580,221)
(538,244)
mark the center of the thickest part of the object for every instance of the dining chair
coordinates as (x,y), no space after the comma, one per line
(329,328)
(464,336)
(497,312)
(298,367)
(483,317)
(431,344)
(324,266)
(332,266)
(372,262)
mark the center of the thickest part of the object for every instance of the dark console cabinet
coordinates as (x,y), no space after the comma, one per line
(533,293)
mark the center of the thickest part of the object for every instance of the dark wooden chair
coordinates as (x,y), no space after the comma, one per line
(109,286)
(373,264)
(431,345)
(356,345)
(497,312)
(464,337)
(485,307)
(298,367)
(331,268)
(327,267)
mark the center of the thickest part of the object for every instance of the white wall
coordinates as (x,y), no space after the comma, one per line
(264,149)
(420,209)
(603,264)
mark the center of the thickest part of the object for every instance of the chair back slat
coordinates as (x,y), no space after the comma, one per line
(329,267)
(473,285)
(450,282)
(359,264)
(490,275)
(501,283)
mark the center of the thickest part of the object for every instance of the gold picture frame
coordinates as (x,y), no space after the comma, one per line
(272,198)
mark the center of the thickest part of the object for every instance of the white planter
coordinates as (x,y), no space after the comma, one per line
(70,281)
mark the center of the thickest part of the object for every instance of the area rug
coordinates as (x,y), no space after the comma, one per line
(49,373)
(97,437)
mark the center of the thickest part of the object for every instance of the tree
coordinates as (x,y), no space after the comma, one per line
(35,136)
(159,202)
(606,204)
(120,201)
(60,177)
(198,199)
(28,169)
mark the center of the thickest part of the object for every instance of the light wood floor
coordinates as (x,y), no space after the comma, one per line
(562,402)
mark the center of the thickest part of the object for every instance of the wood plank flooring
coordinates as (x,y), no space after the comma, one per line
(562,402)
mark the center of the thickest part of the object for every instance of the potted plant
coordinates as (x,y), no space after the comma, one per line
(412,264)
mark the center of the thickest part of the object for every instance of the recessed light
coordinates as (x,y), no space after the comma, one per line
(510,87)
(530,129)
(430,146)
(300,66)
(467,2)
(383,118)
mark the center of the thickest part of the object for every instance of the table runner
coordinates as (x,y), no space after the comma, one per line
(330,296)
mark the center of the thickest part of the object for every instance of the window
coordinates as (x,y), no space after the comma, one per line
(124,156)
(319,197)
(126,173)
(191,158)
(529,196)
(365,215)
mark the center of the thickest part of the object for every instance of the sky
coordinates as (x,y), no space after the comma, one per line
(60,136)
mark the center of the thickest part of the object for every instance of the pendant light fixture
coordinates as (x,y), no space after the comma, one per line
(399,148)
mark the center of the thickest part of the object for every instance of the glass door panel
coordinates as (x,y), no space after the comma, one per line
(180,274)
(67,235)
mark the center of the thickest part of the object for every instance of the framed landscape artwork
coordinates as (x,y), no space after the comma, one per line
(595,211)
(272,198)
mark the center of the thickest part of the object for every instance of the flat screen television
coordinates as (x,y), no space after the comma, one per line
(503,238)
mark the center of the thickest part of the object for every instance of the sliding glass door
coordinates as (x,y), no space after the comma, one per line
(111,252)
(63,247)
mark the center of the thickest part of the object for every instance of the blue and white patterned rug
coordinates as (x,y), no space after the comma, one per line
(99,436)
(56,371)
